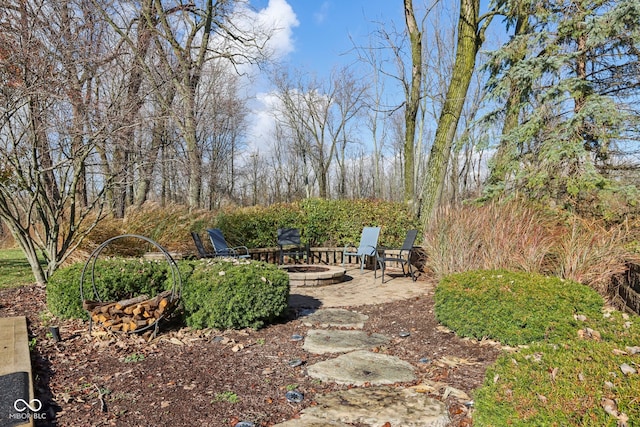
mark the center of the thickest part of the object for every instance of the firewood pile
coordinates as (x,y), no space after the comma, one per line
(130,315)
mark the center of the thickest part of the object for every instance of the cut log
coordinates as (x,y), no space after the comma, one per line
(131,301)
(91,305)
(130,315)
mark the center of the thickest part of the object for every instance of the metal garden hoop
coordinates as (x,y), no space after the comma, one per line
(90,264)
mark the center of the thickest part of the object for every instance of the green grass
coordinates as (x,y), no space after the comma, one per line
(15,271)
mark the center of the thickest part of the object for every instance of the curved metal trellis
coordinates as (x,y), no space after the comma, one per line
(91,264)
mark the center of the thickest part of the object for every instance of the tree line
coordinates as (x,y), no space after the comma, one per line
(108,104)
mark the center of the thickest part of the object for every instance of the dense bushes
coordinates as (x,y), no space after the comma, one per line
(234,294)
(115,279)
(322,222)
(513,308)
(215,293)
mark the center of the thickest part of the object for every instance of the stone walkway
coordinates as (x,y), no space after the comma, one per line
(359,289)
(354,363)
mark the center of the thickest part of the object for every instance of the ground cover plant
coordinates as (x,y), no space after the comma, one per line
(577,364)
(514,308)
(590,380)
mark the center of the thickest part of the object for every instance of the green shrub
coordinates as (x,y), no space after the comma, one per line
(513,308)
(115,279)
(234,294)
(321,222)
(564,385)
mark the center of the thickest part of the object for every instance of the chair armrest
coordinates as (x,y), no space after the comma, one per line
(244,248)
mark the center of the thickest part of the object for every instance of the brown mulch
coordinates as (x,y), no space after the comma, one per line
(210,377)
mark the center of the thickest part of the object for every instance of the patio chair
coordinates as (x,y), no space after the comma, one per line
(202,252)
(221,248)
(403,257)
(289,244)
(368,247)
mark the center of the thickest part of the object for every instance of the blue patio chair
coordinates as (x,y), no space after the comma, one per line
(368,247)
(403,257)
(221,248)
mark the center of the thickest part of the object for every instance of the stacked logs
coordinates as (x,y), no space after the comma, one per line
(129,315)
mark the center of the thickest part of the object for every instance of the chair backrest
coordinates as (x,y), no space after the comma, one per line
(217,240)
(410,240)
(369,240)
(199,246)
(288,236)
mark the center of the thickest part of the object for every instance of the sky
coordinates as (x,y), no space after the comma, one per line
(315,36)
(320,32)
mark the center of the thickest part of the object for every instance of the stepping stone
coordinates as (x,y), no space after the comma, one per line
(335,317)
(376,406)
(320,341)
(360,367)
(305,421)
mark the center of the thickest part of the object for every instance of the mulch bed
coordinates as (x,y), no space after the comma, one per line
(211,377)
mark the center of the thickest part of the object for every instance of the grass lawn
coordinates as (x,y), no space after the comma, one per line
(14,269)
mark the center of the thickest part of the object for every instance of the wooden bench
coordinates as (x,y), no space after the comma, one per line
(17,404)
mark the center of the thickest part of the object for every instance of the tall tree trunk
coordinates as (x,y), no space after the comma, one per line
(468,43)
(413,103)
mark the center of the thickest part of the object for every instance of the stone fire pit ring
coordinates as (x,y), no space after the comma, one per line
(314,275)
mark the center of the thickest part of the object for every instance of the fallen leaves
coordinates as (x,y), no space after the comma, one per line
(588,333)
(627,369)
(611,408)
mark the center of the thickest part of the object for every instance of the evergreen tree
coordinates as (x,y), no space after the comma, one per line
(571,74)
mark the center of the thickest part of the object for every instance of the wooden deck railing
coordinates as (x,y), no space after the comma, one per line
(318,255)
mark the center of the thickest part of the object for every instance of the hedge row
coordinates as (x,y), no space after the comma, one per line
(321,222)
(217,293)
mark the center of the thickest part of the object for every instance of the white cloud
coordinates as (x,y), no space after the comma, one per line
(262,126)
(280,15)
(321,15)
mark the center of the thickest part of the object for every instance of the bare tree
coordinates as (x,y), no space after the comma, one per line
(318,117)
(188,36)
(471,30)
(47,142)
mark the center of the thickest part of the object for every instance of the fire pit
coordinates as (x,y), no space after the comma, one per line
(314,275)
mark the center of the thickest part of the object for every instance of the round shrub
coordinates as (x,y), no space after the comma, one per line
(115,279)
(228,294)
(513,308)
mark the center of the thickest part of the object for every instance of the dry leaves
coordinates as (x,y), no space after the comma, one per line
(611,408)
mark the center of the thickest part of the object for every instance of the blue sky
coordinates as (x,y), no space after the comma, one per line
(325,27)
(315,34)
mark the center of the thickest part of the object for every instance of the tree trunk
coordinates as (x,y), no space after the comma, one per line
(468,43)
(413,103)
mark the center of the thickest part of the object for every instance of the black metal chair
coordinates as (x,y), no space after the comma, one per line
(403,257)
(202,252)
(290,244)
